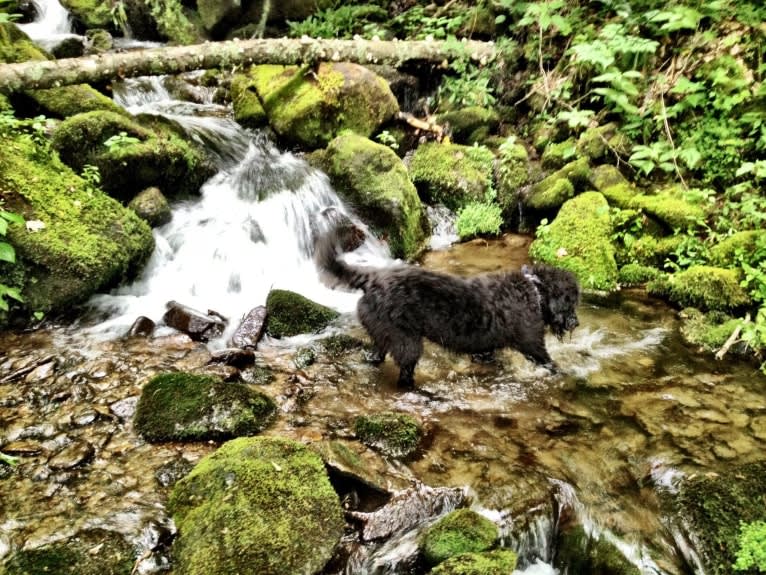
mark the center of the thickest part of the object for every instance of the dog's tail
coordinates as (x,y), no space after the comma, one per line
(334,270)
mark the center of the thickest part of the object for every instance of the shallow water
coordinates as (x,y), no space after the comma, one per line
(633,410)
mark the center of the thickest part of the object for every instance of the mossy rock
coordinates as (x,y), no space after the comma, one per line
(373,179)
(597,143)
(461,531)
(452,174)
(512,175)
(339,344)
(557,155)
(579,552)
(189,407)
(88,241)
(311,107)
(152,207)
(290,314)
(553,190)
(470,125)
(497,562)
(710,331)
(668,206)
(75,557)
(711,507)
(725,252)
(393,434)
(16,46)
(652,251)
(248,109)
(579,239)
(67,101)
(635,274)
(256,505)
(703,287)
(92,13)
(147,157)
(608,180)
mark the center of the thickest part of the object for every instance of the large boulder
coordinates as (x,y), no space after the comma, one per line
(452,175)
(310,108)
(257,505)
(129,157)
(703,287)
(77,240)
(373,179)
(289,313)
(579,239)
(189,407)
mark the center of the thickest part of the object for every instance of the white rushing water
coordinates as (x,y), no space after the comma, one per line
(252,229)
(51,26)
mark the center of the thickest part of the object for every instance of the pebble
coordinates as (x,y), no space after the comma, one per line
(72,456)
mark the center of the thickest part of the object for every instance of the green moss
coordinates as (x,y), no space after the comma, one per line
(394,434)
(497,562)
(310,109)
(248,109)
(152,207)
(676,212)
(553,190)
(291,314)
(557,155)
(470,125)
(15,45)
(606,176)
(257,505)
(512,174)
(725,252)
(461,531)
(704,287)
(579,239)
(578,552)
(70,100)
(75,557)
(92,13)
(88,242)
(340,343)
(636,274)
(707,330)
(712,507)
(188,407)
(652,251)
(373,179)
(452,174)
(597,143)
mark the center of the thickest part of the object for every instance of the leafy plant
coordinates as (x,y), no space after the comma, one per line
(341,22)
(8,254)
(387,139)
(6,16)
(478,218)
(9,459)
(120,141)
(752,547)
(91,174)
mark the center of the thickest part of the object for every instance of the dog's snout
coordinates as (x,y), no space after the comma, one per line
(572,323)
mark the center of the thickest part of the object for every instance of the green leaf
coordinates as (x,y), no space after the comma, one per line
(691,157)
(11,217)
(7,253)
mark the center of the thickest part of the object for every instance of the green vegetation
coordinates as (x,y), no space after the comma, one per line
(752,547)
(393,434)
(496,562)
(461,531)
(478,219)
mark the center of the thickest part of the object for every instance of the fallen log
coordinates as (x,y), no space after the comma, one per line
(41,74)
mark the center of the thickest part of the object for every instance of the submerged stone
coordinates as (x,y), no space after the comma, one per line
(393,434)
(290,314)
(579,552)
(189,407)
(461,531)
(579,239)
(256,505)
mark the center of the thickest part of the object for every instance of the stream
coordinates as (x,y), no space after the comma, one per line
(633,411)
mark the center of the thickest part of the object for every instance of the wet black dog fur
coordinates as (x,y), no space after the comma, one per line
(403,304)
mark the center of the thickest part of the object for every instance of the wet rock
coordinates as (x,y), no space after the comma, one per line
(71,47)
(460,531)
(758,425)
(250,329)
(151,206)
(187,407)
(257,505)
(124,408)
(197,325)
(408,508)
(257,375)
(142,327)
(393,434)
(581,552)
(41,372)
(305,356)
(172,471)
(74,455)
(291,314)
(23,448)
(234,357)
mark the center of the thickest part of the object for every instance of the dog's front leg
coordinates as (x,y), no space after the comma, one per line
(406,376)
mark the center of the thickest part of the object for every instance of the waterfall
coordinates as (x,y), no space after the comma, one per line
(252,229)
(51,26)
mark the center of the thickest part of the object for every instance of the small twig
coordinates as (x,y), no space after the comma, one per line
(422,124)
(733,338)
(670,139)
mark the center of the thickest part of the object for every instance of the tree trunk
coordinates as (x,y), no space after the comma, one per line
(39,74)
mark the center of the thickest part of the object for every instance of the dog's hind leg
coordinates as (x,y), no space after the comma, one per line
(406,352)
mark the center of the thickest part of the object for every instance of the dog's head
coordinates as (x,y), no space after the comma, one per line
(559,297)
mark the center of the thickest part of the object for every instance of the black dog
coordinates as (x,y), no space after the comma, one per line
(402,305)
